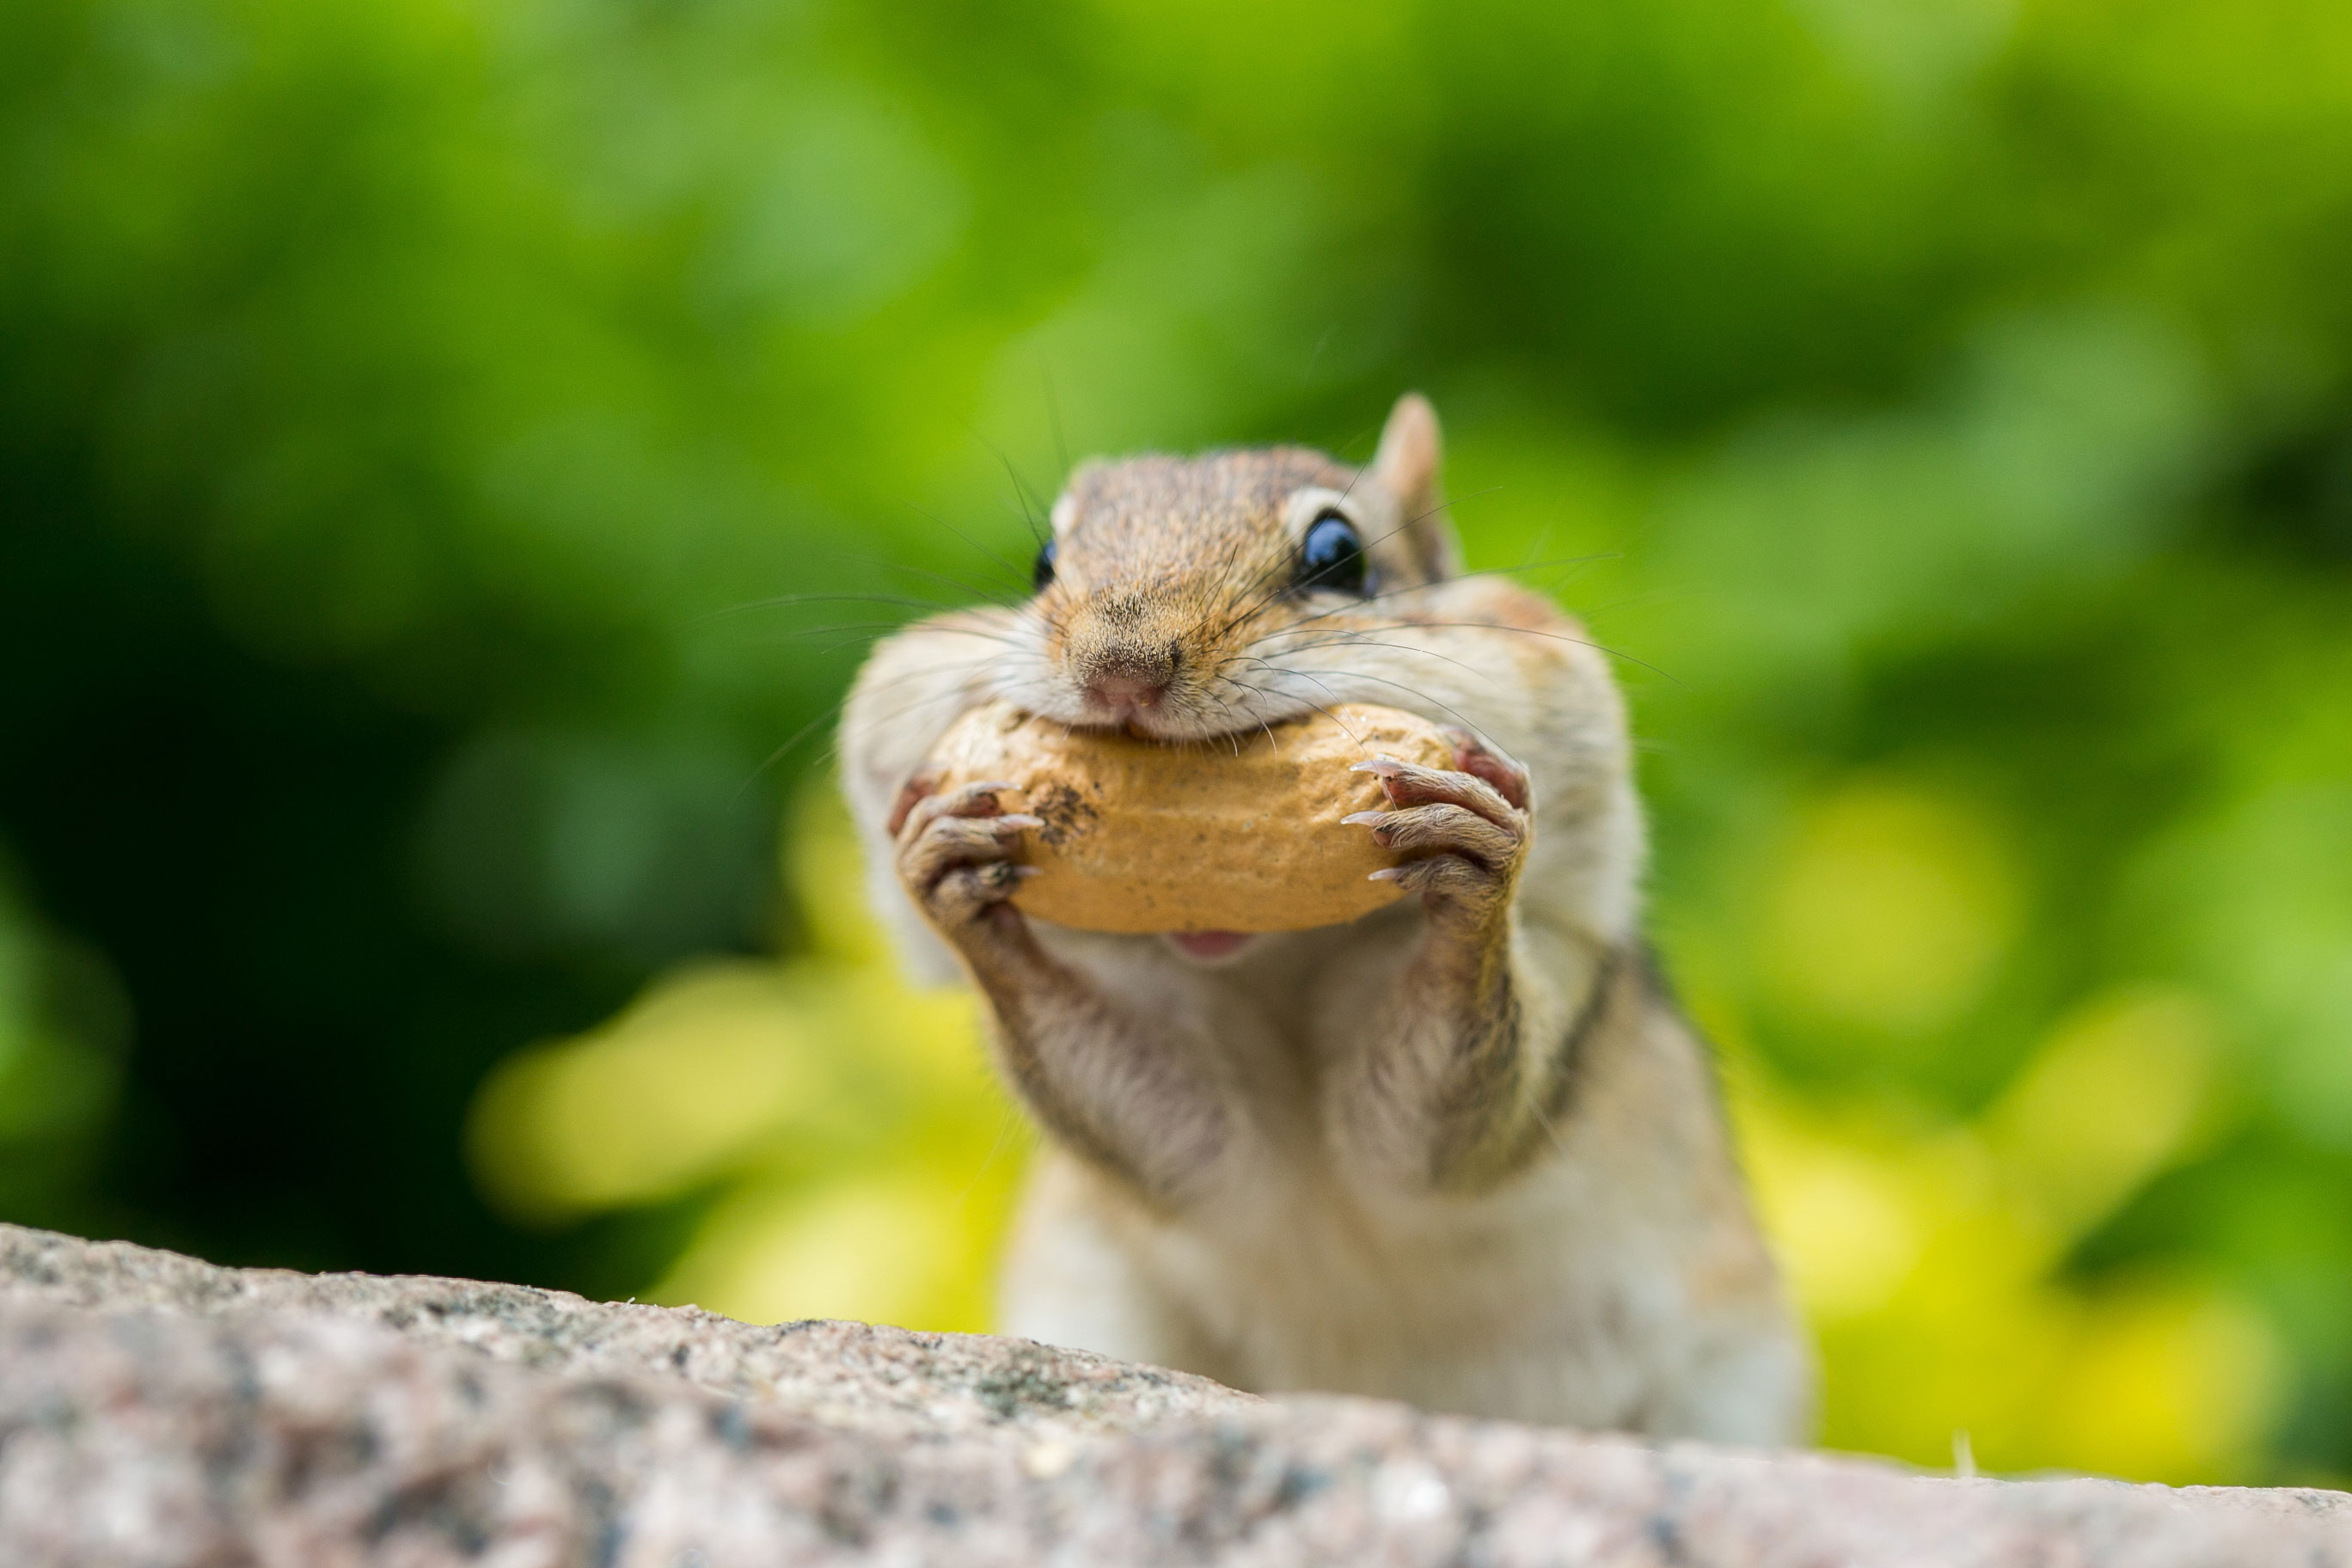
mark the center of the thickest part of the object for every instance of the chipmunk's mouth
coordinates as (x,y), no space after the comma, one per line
(1183,728)
(1178,715)
(1210,946)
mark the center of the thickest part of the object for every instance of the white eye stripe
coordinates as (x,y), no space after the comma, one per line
(1305,506)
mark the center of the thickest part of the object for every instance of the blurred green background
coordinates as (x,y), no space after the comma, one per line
(454,454)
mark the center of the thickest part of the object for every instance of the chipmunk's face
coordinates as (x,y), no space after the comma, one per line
(1193,597)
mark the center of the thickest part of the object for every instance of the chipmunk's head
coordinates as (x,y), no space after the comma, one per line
(1190,597)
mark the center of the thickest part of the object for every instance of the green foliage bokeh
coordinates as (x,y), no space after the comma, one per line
(455,454)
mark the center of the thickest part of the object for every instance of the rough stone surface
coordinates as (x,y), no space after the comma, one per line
(854,1377)
(159,1412)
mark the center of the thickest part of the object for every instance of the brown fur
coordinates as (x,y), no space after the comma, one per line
(1463,1150)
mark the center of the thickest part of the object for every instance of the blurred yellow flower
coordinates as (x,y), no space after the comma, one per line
(886,1248)
(1930,1258)
(2121,1089)
(708,1063)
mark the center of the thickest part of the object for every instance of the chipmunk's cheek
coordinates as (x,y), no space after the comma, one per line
(1211,946)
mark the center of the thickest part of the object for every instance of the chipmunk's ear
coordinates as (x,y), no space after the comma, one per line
(1407,467)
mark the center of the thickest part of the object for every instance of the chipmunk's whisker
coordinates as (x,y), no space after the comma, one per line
(986,595)
(1295,697)
(1379,681)
(783,601)
(846,627)
(1408,624)
(1243,686)
(1019,573)
(832,711)
(1021,491)
(1346,639)
(1553,637)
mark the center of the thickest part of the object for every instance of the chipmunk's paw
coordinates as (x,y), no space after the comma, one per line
(955,852)
(1467,830)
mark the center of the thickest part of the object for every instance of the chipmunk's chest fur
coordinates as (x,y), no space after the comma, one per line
(1592,1290)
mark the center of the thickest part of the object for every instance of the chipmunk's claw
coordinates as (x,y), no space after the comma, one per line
(1464,831)
(1447,876)
(956,852)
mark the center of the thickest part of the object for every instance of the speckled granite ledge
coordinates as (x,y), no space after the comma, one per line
(158,1411)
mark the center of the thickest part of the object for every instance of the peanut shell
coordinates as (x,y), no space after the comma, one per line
(1238,834)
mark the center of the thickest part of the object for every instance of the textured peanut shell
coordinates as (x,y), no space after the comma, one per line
(1241,834)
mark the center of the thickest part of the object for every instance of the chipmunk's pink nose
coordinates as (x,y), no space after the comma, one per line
(1124,690)
(1131,679)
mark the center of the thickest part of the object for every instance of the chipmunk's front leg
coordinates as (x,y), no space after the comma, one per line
(1113,1091)
(1449,1088)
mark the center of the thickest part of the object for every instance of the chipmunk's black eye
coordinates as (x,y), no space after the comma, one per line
(1332,555)
(1043,572)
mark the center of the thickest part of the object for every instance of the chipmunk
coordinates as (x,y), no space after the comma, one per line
(1464,1152)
